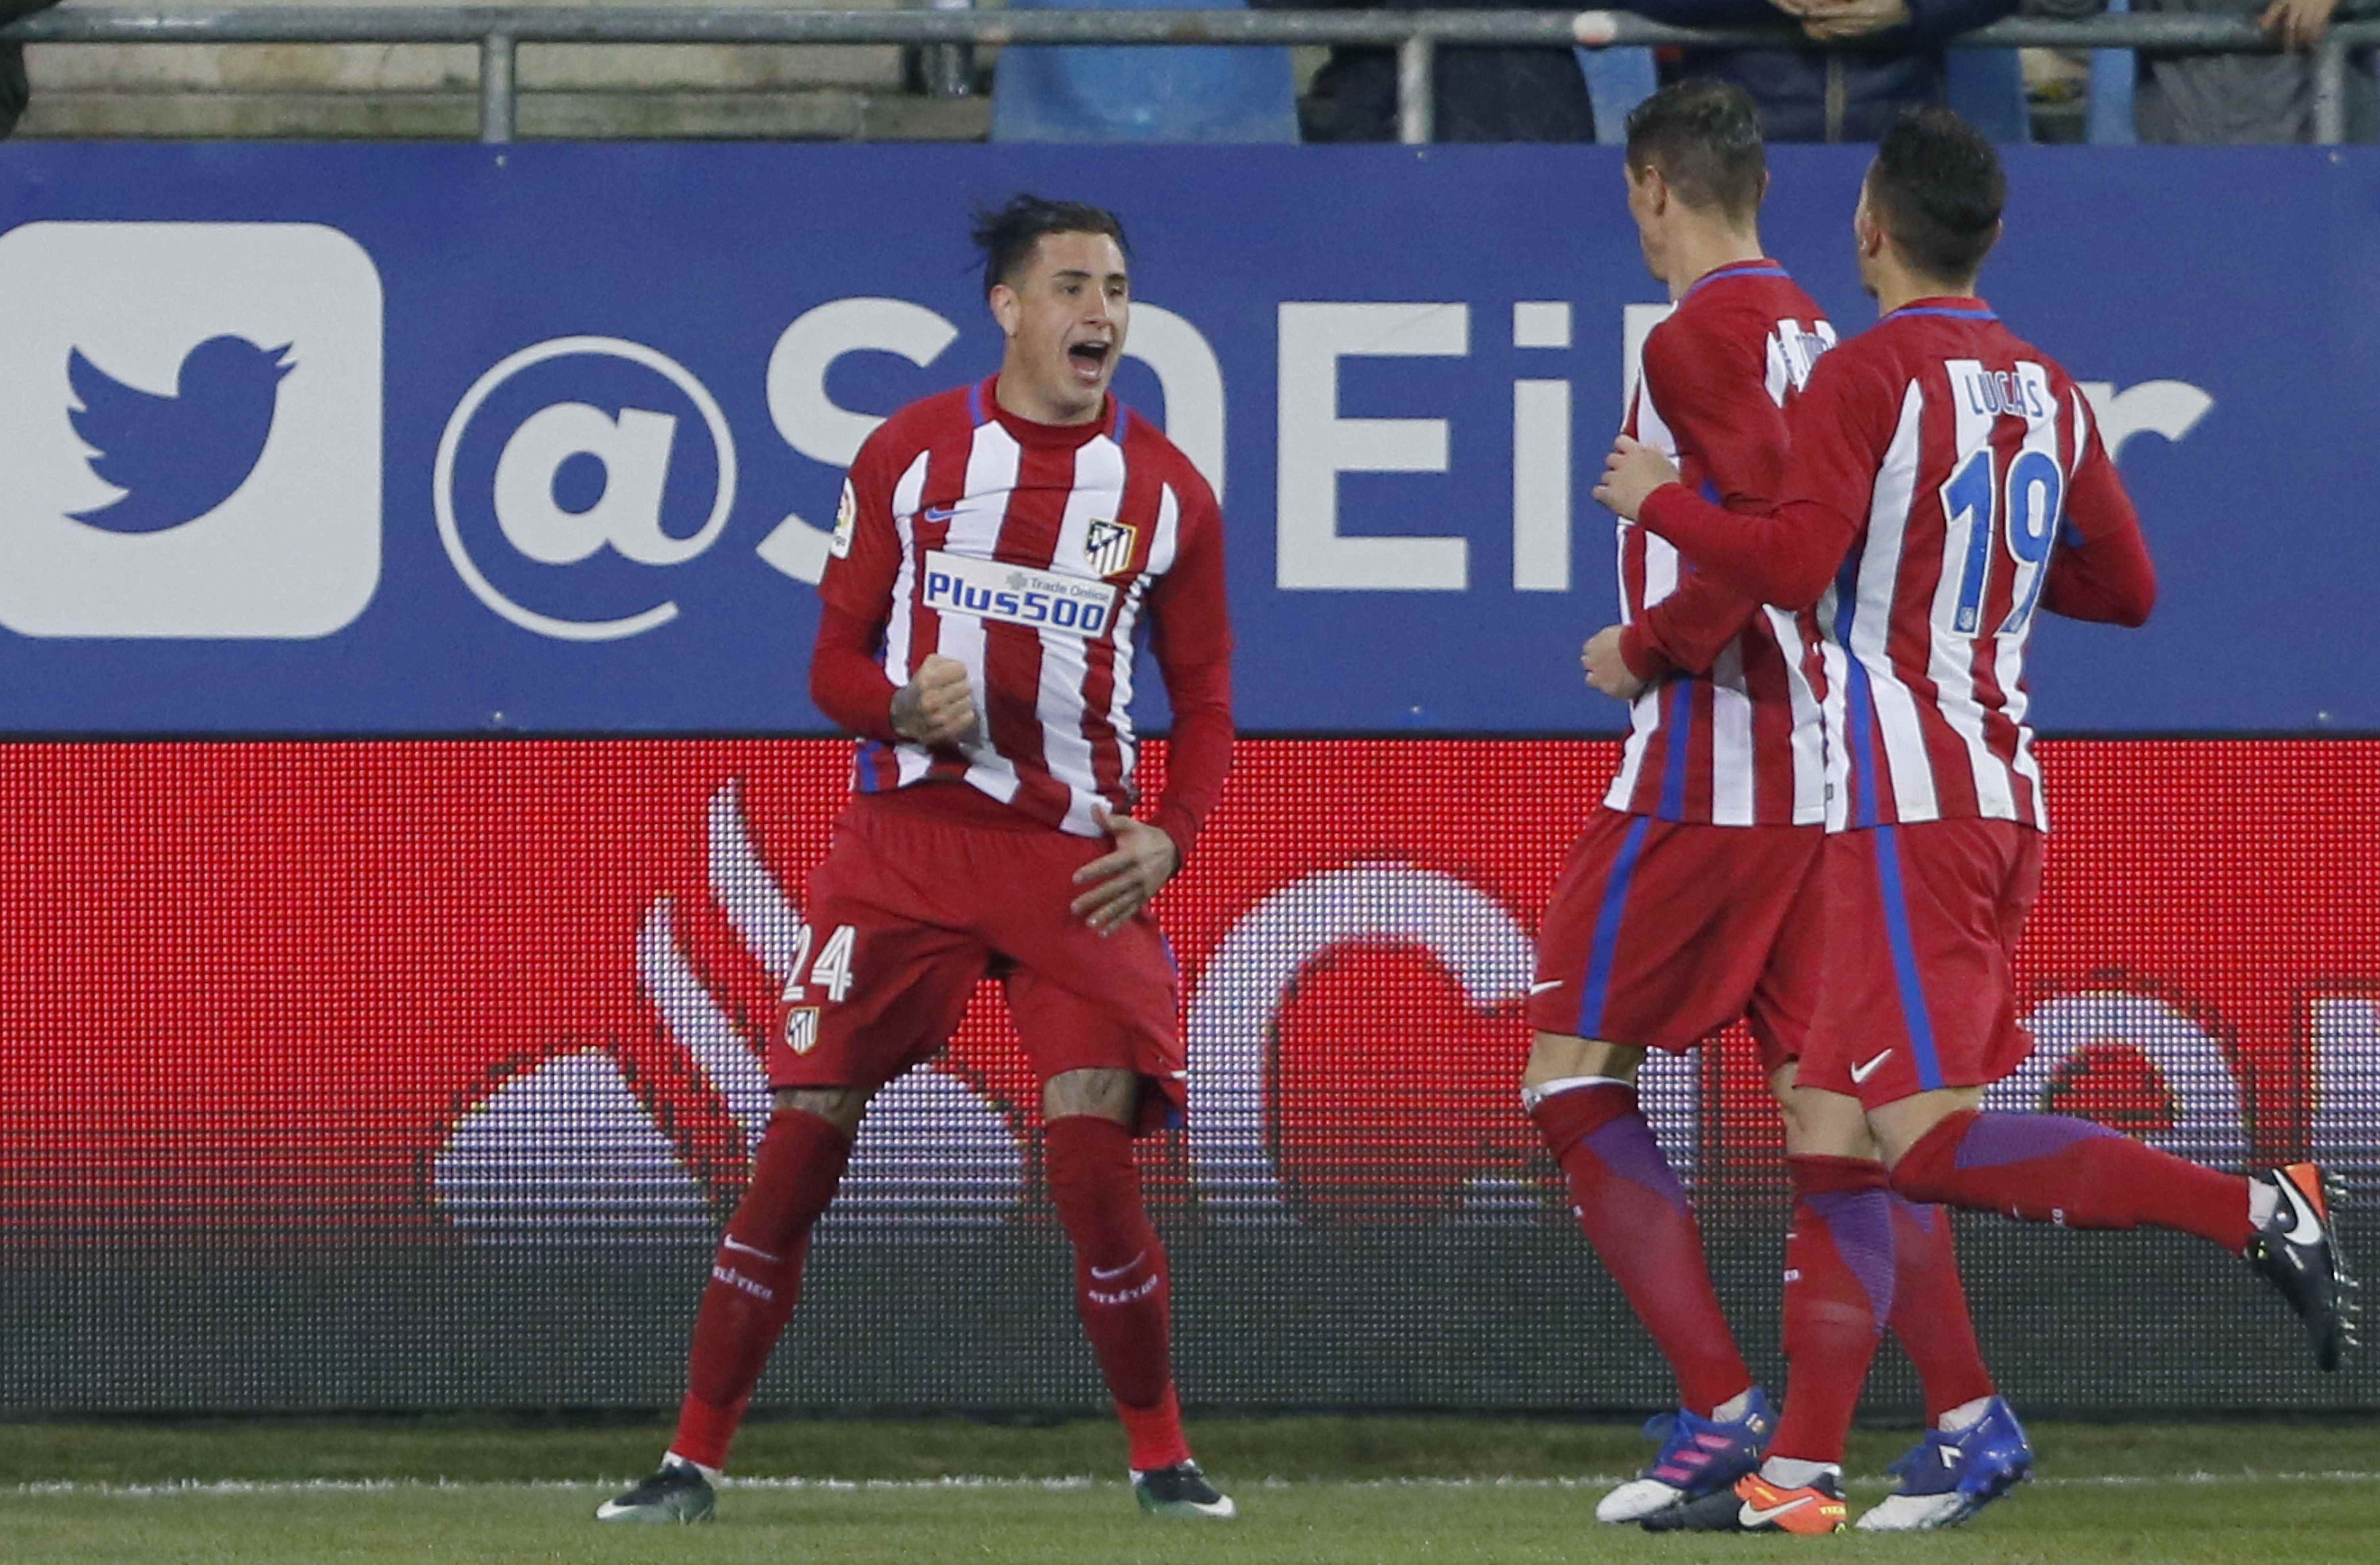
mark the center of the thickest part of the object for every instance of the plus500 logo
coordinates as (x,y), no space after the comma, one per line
(607,458)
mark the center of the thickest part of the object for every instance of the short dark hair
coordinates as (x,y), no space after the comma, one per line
(1007,235)
(1704,138)
(1937,189)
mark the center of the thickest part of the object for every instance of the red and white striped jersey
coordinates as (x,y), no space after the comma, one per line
(1963,465)
(1032,554)
(1733,735)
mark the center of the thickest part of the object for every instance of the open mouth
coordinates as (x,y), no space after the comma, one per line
(1089,359)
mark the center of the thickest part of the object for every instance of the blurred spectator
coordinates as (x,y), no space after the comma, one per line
(1805,95)
(2214,99)
(1537,95)
(1487,95)
(13,91)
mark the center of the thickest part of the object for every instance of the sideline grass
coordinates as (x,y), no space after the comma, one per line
(1322,1490)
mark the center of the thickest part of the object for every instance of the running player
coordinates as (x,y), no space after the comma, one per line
(1691,898)
(998,547)
(1947,479)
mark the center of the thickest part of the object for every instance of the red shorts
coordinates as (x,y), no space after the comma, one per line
(932,906)
(1923,923)
(1661,933)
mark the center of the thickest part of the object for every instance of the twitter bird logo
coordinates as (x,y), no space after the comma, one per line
(177,458)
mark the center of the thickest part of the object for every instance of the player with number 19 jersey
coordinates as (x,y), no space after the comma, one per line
(1947,482)
(1675,912)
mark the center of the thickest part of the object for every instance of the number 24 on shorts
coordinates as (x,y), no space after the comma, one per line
(833,970)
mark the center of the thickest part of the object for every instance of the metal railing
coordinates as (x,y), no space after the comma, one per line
(1417,36)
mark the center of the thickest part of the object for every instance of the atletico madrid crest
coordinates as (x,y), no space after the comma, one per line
(802,1028)
(1107,547)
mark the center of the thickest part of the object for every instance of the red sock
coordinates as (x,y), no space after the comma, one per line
(2047,1168)
(1837,1296)
(1121,1284)
(1929,1311)
(755,1278)
(1627,1198)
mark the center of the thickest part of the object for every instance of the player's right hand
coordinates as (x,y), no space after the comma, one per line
(937,707)
(1630,474)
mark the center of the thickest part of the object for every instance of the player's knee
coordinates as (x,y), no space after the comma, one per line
(1821,1124)
(841,1107)
(1554,1057)
(1901,1127)
(1102,1094)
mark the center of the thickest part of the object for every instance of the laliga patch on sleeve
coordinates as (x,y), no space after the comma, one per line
(847,522)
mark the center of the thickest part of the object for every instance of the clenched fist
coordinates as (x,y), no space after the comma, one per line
(936,707)
(1630,474)
(1605,669)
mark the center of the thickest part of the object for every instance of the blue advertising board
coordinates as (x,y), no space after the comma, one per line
(378,440)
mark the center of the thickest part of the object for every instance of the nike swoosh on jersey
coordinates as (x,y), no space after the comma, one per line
(940,513)
(1549,984)
(1860,1072)
(1109,1274)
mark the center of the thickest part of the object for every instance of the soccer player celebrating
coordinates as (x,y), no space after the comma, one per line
(1946,481)
(998,548)
(1691,898)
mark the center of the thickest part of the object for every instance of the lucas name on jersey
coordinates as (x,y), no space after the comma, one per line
(2013,393)
(1021,595)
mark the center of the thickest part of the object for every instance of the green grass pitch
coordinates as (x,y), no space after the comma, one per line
(1319,1490)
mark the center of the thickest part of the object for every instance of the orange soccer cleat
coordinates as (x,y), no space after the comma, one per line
(2296,1250)
(1755,1505)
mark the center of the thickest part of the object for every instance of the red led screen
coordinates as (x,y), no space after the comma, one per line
(459,988)
(417,1074)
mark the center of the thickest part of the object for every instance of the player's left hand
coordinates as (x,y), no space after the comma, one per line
(1606,670)
(1122,882)
(1632,471)
(1831,19)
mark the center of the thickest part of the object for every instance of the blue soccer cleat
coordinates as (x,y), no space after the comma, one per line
(1698,1456)
(1947,1477)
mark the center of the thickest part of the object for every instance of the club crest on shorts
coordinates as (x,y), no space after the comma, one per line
(1107,547)
(802,1028)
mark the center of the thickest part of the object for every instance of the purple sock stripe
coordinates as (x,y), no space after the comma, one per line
(1626,1146)
(1916,1214)
(1995,1140)
(1859,1222)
